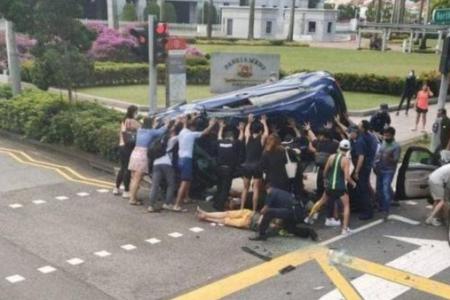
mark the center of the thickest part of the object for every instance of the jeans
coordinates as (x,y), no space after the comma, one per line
(225,176)
(363,192)
(124,174)
(385,193)
(160,174)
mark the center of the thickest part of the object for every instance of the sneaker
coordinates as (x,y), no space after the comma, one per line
(258,237)
(332,222)
(309,220)
(433,221)
(151,209)
(167,206)
(126,195)
(315,216)
(346,231)
(116,192)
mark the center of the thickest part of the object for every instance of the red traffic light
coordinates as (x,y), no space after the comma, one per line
(162,28)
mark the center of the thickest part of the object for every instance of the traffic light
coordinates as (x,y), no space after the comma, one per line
(141,34)
(161,37)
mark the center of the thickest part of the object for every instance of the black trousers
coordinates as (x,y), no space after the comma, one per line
(408,102)
(289,222)
(124,174)
(320,182)
(225,176)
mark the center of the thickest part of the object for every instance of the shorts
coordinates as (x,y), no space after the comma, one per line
(138,160)
(185,166)
(239,218)
(437,190)
(421,110)
(252,170)
(337,194)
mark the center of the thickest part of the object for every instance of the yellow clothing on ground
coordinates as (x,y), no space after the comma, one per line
(239,218)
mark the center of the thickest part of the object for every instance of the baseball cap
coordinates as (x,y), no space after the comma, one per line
(344,145)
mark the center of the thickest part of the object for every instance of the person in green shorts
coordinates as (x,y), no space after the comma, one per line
(337,176)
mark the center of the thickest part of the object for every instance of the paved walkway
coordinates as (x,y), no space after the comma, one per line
(403,124)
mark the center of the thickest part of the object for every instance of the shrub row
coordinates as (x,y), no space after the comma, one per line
(49,118)
(238,42)
(198,72)
(5,91)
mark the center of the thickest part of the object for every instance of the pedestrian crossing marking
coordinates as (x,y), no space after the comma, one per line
(128,247)
(15,278)
(15,205)
(102,253)
(46,269)
(39,202)
(175,235)
(75,261)
(153,241)
(83,194)
(196,229)
(61,198)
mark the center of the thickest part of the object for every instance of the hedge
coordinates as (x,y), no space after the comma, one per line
(5,91)
(49,118)
(198,72)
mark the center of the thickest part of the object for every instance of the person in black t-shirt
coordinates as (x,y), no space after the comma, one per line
(228,154)
(256,133)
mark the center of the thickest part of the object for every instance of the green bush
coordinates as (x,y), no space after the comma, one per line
(48,118)
(151,9)
(170,14)
(129,12)
(5,91)
(276,42)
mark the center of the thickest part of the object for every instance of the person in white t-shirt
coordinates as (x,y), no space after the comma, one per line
(186,141)
(438,182)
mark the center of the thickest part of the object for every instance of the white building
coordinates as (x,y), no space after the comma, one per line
(316,24)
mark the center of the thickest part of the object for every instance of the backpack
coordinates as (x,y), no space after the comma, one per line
(158,149)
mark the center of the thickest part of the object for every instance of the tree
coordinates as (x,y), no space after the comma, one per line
(379,8)
(251,20)
(170,14)
(385,13)
(61,39)
(290,36)
(210,19)
(313,3)
(129,12)
(204,12)
(151,9)
(346,12)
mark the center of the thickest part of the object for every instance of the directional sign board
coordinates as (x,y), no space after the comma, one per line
(441,16)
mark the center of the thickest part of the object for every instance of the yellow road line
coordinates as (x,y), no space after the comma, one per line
(337,278)
(68,169)
(249,277)
(57,170)
(401,277)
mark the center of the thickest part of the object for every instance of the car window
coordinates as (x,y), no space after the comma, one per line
(420,158)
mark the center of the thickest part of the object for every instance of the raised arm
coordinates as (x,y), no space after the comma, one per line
(208,129)
(293,126)
(247,127)
(309,133)
(265,134)
(241,129)
(221,127)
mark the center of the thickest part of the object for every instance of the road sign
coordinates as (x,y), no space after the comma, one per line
(441,16)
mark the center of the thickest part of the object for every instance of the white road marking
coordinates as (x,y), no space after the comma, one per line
(359,229)
(46,269)
(429,206)
(128,247)
(102,253)
(153,241)
(409,202)
(196,229)
(15,278)
(38,202)
(61,198)
(175,235)
(15,205)
(75,261)
(403,219)
(83,194)
(102,191)
(431,258)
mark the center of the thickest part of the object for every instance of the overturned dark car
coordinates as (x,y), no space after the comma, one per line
(305,97)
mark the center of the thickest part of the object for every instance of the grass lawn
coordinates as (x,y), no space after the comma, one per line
(339,60)
(138,94)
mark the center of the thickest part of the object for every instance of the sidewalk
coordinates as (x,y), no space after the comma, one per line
(403,124)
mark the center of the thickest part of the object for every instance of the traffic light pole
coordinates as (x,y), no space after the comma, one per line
(13,59)
(152,75)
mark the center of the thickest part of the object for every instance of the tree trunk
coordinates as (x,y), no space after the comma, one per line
(113,17)
(210,17)
(70,94)
(251,21)
(379,8)
(422,2)
(13,59)
(401,13)
(290,36)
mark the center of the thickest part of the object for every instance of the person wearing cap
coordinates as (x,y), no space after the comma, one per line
(385,167)
(337,173)
(380,120)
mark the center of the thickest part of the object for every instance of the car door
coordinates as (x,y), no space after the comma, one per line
(412,180)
